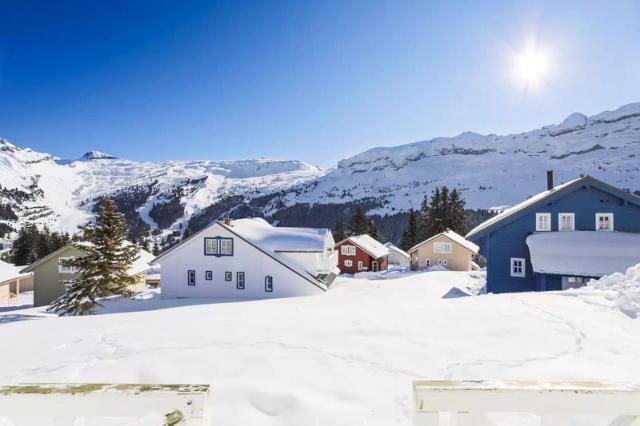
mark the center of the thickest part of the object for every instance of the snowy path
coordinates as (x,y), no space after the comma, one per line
(347,357)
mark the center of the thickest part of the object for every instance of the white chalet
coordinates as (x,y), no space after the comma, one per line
(249,259)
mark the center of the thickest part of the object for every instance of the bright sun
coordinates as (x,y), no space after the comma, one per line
(531,66)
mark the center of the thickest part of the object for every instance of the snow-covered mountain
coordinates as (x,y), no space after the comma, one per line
(62,194)
(489,170)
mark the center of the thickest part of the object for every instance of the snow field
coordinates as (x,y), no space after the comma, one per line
(347,357)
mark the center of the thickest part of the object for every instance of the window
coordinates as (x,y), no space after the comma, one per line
(268,284)
(208,275)
(348,250)
(604,221)
(444,262)
(442,248)
(575,280)
(348,263)
(218,246)
(191,277)
(427,262)
(66,269)
(543,222)
(517,267)
(360,265)
(566,222)
(228,276)
(240,280)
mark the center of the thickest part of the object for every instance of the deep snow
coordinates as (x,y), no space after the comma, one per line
(347,357)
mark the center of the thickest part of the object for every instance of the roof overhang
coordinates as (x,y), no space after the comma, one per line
(583,253)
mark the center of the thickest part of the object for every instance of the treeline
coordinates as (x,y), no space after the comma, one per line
(33,244)
(443,211)
(360,224)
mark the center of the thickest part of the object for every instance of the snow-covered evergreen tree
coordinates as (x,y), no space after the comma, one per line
(410,233)
(103,270)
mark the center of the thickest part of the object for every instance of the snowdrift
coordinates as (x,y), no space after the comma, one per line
(621,291)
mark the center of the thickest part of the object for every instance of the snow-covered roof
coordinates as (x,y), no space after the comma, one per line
(583,253)
(10,272)
(280,239)
(455,237)
(397,249)
(369,244)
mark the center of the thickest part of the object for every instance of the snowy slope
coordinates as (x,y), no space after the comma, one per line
(346,357)
(61,194)
(490,170)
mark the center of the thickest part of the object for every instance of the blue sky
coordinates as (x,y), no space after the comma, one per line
(317,81)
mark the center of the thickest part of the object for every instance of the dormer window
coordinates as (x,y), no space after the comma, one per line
(604,221)
(566,222)
(543,222)
(218,246)
(348,250)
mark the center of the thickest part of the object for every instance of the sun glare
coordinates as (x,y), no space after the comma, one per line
(531,66)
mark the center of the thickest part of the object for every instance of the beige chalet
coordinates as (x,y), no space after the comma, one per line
(447,249)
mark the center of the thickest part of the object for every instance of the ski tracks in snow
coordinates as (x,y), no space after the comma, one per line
(578,345)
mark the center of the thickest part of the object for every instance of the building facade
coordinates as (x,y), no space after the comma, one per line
(561,237)
(249,259)
(362,253)
(447,249)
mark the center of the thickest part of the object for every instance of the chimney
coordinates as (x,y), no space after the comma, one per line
(549,180)
(227,219)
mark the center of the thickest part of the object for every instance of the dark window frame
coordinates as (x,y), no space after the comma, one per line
(191,277)
(268,284)
(218,246)
(208,275)
(228,276)
(238,275)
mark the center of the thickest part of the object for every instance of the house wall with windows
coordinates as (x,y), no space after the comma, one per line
(48,275)
(579,207)
(353,259)
(441,250)
(240,270)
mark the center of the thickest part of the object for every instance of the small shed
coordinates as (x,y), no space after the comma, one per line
(397,256)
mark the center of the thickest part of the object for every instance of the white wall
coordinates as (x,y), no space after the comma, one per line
(246,258)
(396,258)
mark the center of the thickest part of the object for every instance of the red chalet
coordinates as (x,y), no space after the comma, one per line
(361,253)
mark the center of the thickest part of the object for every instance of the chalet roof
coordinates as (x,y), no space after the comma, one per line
(545,196)
(281,239)
(583,253)
(139,266)
(397,249)
(369,244)
(10,272)
(453,236)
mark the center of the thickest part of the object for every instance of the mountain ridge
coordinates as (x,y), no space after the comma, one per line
(168,197)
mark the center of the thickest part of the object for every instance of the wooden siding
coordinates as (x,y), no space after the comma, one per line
(458,260)
(509,240)
(360,256)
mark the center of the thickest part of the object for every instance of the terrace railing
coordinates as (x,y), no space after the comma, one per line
(104,404)
(477,403)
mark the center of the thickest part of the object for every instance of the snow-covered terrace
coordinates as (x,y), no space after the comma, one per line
(583,253)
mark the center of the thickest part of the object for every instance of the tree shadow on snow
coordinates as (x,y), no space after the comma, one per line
(9,318)
(153,302)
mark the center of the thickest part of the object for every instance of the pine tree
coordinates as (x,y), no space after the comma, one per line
(338,231)
(374,232)
(103,270)
(422,219)
(457,215)
(359,222)
(410,233)
(156,249)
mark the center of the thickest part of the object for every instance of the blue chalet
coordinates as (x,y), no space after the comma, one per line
(560,238)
